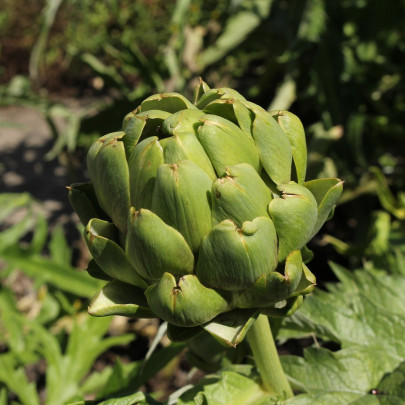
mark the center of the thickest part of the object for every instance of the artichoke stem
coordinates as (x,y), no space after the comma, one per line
(266,358)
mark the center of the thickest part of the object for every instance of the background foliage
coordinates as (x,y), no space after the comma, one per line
(83,65)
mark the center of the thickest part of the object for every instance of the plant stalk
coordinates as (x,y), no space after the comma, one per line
(266,357)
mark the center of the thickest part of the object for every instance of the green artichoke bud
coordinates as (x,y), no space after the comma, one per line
(218,136)
(183,144)
(294,216)
(143,164)
(241,195)
(108,170)
(83,200)
(101,238)
(117,298)
(223,93)
(155,248)
(273,146)
(141,126)
(182,198)
(186,302)
(294,130)
(235,258)
(199,213)
(200,90)
(233,110)
(272,288)
(169,102)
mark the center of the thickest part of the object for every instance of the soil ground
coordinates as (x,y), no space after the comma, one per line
(25,140)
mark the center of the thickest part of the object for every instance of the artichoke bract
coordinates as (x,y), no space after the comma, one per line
(196,210)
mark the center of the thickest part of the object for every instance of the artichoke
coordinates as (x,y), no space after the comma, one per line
(199,213)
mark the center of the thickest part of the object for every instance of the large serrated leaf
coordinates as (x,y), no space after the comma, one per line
(348,370)
(364,312)
(393,384)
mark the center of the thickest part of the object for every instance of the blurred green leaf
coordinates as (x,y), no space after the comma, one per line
(16,380)
(10,202)
(13,331)
(58,247)
(65,370)
(238,27)
(61,276)
(37,54)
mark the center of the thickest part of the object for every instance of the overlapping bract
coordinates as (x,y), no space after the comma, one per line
(195,210)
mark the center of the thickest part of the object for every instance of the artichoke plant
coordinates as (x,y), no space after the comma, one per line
(199,213)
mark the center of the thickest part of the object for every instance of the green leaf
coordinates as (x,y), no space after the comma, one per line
(179,302)
(326,193)
(294,216)
(61,276)
(236,385)
(106,71)
(170,102)
(241,195)
(19,341)
(38,51)
(39,237)
(208,354)
(364,312)
(365,307)
(393,384)
(67,369)
(106,379)
(158,360)
(182,199)
(102,240)
(231,109)
(9,202)
(15,379)
(153,247)
(83,200)
(230,328)
(237,29)
(14,233)
(226,144)
(3,396)
(180,334)
(143,164)
(109,173)
(273,146)
(385,195)
(141,126)
(119,379)
(270,291)
(233,258)
(348,370)
(118,298)
(59,248)
(294,130)
(331,398)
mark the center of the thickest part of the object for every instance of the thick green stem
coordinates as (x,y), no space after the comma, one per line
(266,357)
